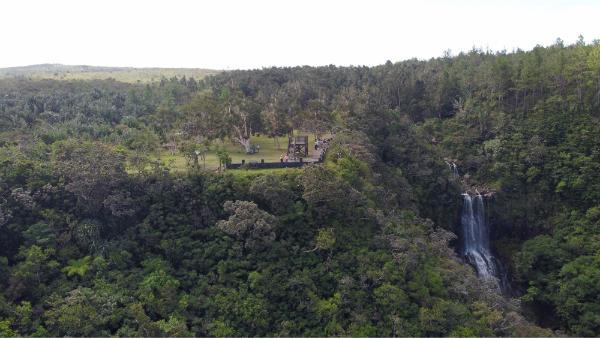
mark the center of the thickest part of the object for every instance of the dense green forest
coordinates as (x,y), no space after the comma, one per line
(97,238)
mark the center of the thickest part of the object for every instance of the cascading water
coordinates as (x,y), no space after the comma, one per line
(454,168)
(476,240)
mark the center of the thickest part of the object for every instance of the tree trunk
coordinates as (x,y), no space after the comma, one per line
(246,143)
(241,138)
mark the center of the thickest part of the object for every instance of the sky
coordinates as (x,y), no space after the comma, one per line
(244,34)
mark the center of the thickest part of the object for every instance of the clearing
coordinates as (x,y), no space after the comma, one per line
(268,152)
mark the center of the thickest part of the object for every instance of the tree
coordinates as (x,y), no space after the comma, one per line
(193,152)
(237,312)
(274,192)
(78,267)
(325,239)
(165,116)
(239,114)
(443,317)
(316,117)
(273,122)
(158,292)
(90,170)
(174,327)
(248,224)
(204,120)
(82,312)
(594,65)
(448,94)
(224,158)
(142,141)
(329,196)
(578,294)
(34,269)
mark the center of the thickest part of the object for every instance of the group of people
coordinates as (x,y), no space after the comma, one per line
(254,149)
(284,158)
(321,143)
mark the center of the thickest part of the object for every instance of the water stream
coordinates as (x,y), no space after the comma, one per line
(454,168)
(476,238)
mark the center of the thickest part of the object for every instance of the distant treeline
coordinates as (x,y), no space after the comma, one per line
(123,74)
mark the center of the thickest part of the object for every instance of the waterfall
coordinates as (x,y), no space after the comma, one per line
(453,168)
(476,240)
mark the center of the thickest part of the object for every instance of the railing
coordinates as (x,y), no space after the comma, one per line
(280,164)
(270,165)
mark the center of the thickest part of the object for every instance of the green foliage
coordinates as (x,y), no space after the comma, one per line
(443,317)
(562,270)
(158,291)
(223,157)
(6,330)
(174,327)
(325,239)
(78,267)
(277,194)
(34,268)
(248,224)
(82,312)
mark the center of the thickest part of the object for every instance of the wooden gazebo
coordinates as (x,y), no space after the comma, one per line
(298,146)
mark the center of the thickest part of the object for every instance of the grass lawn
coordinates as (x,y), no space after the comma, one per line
(268,152)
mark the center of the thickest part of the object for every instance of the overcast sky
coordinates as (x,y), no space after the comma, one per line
(244,34)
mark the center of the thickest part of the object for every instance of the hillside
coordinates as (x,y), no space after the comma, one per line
(122,74)
(458,196)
